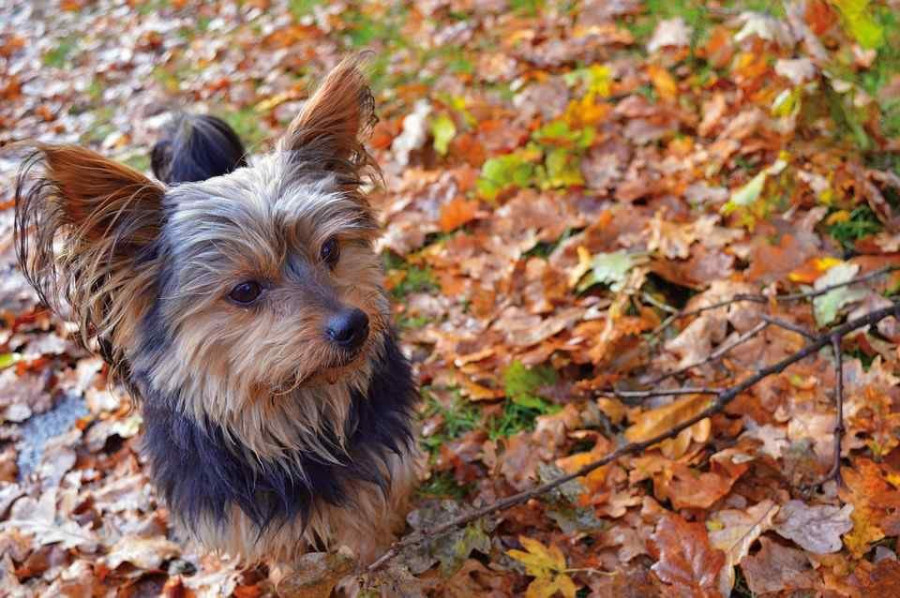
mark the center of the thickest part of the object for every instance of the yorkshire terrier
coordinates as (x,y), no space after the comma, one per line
(241,305)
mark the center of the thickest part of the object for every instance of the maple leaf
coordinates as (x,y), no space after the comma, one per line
(547,566)
(686,558)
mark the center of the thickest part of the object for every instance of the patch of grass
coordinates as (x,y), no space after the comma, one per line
(101,127)
(245,123)
(59,56)
(363,29)
(517,418)
(459,417)
(523,385)
(418,280)
(301,8)
(523,404)
(862,223)
(152,6)
(529,8)
(443,485)
(411,322)
(694,12)
(140,162)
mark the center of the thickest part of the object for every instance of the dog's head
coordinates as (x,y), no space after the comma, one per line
(235,289)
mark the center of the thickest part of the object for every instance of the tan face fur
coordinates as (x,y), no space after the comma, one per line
(148,272)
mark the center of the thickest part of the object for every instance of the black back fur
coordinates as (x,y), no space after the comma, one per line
(195,148)
(201,473)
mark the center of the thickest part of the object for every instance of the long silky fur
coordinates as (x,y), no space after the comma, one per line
(259,437)
(88,249)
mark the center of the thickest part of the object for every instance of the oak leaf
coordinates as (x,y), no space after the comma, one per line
(547,566)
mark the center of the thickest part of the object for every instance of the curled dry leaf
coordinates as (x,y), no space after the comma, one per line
(817,528)
(734,531)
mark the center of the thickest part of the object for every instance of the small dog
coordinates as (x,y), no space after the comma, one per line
(243,309)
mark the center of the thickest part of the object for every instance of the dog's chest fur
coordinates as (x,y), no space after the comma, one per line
(228,498)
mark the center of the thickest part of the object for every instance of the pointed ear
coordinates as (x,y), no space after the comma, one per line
(85,227)
(329,129)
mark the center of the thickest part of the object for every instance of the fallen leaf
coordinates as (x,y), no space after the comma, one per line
(687,561)
(735,531)
(777,568)
(817,529)
(547,566)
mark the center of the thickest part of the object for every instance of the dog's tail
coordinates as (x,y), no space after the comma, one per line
(196,148)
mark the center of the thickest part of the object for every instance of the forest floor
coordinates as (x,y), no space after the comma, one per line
(559,179)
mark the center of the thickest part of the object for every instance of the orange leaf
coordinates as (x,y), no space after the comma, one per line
(665,84)
(457,213)
(687,561)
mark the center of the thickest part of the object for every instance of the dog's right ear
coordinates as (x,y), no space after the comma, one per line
(85,228)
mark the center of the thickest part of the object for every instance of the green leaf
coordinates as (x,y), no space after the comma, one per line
(748,194)
(859,22)
(827,307)
(502,172)
(611,268)
(8,359)
(562,169)
(522,384)
(444,130)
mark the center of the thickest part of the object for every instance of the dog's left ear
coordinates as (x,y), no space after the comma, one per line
(328,131)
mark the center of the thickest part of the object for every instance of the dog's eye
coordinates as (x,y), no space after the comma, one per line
(330,252)
(246,292)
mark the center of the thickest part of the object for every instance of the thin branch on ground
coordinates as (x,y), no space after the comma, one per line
(759,298)
(835,472)
(644,394)
(716,405)
(719,352)
(789,326)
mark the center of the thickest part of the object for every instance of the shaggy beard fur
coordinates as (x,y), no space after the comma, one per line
(264,434)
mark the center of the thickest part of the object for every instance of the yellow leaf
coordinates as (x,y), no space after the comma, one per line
(838,217)
(654,422)
(548,567)
(813,269)
(665,84)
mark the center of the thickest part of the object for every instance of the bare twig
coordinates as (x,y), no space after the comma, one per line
(835,472)
(719,352)
(758,298)
(716,405)
(660,392)
(789,326)
(659,304)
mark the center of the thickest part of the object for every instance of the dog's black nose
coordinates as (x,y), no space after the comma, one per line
(349,328)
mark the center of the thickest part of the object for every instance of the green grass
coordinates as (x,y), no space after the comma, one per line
(442,485)
(59,56)
(694,13)
(418,280)
(140,162)
(517,418)
(301,8)
(245,123)
(101,127)
(523,404)
(459,417)
(862,223)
